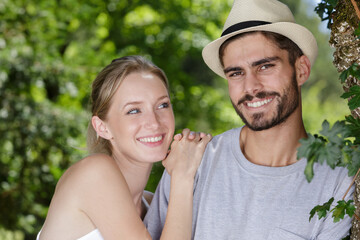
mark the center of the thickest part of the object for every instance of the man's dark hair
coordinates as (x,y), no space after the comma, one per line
(281,41)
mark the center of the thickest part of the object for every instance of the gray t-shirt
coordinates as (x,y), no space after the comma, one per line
(236,199)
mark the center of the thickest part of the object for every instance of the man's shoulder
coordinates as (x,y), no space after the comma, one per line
(331,178)
(225,136)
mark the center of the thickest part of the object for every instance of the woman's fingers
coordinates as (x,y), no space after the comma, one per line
(178,137)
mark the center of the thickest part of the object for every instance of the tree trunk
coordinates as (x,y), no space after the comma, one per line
(347,51)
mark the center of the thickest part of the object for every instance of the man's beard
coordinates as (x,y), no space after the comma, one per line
(287,104)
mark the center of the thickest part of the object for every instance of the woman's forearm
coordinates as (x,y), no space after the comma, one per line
(179,216)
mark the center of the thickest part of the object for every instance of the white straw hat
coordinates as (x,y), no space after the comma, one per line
(260,15)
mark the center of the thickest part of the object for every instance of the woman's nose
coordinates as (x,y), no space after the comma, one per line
(152,120)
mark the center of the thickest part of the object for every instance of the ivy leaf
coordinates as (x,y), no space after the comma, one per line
(321,210)
(337,133)
(357,31)
(310,148)
(354,128)
(333,2)
(353,70)
(343,207)
(346,238)
(309,170)
(324,9)
(343,76)
(331,154)
(353,92)
(354,166)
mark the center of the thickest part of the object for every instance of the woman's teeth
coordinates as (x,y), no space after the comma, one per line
(151,139)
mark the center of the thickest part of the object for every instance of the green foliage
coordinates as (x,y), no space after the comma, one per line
(354,95)
(324,9)
(337,146)
(353,70)
(338,212)
(354,128)
(50,51)
(357,31)
(321,210)
(343,207)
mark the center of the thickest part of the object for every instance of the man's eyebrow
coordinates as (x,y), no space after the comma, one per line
(254,64)
(265,60)
(232,69)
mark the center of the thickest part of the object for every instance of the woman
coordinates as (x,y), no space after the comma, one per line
(132,125)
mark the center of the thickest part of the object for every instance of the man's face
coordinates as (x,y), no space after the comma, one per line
(262,83)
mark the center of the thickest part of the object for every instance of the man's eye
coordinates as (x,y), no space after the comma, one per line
(234,74)
(266,66)
(133,111)
(164,105)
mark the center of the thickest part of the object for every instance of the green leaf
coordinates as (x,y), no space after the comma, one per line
(354,166)
(357,31)
(333,3)
(309,146)
(332,155)
(354,128)
(321,210)
(343,76)
(354,93)
(343,207)
(337,133)
(346,238)
(324,9)
(353,70)
(309,170)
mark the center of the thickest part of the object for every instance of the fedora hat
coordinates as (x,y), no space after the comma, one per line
(260,15)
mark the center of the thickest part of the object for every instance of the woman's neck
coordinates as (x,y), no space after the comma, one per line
(136,175)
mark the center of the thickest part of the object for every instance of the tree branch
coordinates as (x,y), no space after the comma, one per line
(351,184)
(356,8)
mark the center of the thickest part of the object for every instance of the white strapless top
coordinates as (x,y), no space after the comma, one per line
(95,234)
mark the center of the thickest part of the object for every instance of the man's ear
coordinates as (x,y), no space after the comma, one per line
(302,68)
(101,128)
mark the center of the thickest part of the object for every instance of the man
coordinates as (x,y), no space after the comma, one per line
(250,184)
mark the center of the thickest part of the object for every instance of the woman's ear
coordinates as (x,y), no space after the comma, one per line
(101,128)
(302,68)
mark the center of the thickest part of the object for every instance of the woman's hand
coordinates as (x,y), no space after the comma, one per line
(186,153)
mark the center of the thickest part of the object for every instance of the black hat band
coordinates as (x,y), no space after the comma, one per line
(243,25)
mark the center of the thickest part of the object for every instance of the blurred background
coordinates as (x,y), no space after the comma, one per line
(51,51)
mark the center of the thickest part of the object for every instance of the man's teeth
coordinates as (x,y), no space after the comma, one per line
(259,103)
(151,139)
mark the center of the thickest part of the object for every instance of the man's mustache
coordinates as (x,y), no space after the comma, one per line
(259,95)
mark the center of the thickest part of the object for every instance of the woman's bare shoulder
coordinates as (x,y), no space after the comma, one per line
(90,172)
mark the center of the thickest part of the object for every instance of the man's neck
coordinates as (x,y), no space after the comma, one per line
(274,147)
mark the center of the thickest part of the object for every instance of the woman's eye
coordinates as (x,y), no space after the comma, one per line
(133,111)
(164,105)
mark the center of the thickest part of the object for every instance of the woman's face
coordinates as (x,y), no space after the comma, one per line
(140,119)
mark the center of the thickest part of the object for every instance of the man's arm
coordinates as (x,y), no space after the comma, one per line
(339,230)
(156,215)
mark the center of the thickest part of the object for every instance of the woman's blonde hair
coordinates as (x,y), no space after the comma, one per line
(104,87)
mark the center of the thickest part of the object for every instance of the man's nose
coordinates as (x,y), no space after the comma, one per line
(252,84)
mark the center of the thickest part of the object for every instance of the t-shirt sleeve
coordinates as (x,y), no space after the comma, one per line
(156,215)
(339,230)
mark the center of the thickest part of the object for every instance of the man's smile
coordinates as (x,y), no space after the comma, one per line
(257,104)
